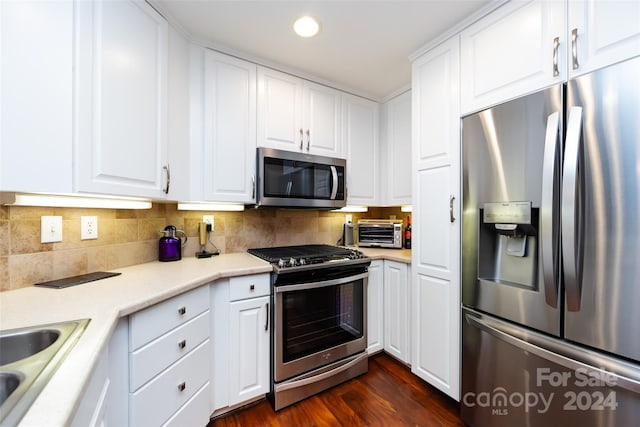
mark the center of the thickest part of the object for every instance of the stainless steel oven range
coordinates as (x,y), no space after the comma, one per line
(319,318)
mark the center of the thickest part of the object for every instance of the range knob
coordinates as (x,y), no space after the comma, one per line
(282,263)
(292,262)
(302,261)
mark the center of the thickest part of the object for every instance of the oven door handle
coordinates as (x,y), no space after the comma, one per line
(322,284)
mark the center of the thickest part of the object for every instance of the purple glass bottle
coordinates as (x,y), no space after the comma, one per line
(169,246)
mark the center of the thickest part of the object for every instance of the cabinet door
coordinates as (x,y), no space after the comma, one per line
(121,65)
(396,310)
(91,410)
(279,110)
(375,308)
(249,352)
(396,158)
(360,127)
(436,230)
(321,122)
(511,52)
(230,129)
(36,92)
(605,32)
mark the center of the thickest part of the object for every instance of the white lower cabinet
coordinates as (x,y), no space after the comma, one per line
(375,314)
(240,330)
(169,360)
(396,310)
(92,408)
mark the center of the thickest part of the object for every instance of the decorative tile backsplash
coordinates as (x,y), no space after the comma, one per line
(129,237)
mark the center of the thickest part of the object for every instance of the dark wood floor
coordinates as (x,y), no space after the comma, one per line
(388,395)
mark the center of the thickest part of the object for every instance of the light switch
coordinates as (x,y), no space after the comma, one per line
(50,229)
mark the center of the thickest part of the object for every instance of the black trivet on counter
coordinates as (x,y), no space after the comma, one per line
(76,280)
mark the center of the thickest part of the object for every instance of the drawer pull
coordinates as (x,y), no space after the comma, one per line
(252,287)
(182,311)
(182,386)
(182,344)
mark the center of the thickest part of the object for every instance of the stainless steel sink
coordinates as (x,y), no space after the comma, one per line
(28,359)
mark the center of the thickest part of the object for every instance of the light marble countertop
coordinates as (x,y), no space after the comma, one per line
(400,255)
(104,302)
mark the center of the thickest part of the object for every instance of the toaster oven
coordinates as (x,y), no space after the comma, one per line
(380,233)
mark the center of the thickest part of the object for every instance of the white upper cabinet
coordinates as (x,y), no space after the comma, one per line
(298,115)
(121,94)
(36,63)
(360,120)
(229,128)
(395,159)
(602,33)
(435,281)
(515,50)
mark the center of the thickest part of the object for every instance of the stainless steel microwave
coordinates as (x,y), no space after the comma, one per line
(290,179)
(380,233)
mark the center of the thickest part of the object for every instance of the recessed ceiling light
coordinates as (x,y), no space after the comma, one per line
(306,26)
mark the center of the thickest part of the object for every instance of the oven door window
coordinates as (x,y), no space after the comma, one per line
(318,319)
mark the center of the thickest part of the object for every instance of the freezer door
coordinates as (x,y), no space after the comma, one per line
(600,210)
(511,165)
(512,376)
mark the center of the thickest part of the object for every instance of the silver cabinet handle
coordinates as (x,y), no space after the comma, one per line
(549,205)
(266,323)
(182,386)
(556,46)
(182,344)
(574,48)
(571,243)
(308,139)
(253,187)
(451,217)
(167,173)
(301,138)
(182,311)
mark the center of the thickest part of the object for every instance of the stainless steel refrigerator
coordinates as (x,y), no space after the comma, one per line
(551,256)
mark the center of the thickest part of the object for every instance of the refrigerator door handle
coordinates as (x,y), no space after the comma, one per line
(549,226)
(571,233)
(537,344)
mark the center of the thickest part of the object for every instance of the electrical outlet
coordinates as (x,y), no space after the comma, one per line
(208,219)
(50,229)
(88,227)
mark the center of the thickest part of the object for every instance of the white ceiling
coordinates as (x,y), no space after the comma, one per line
(363,45)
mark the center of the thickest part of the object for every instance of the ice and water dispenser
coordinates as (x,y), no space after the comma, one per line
(507,246)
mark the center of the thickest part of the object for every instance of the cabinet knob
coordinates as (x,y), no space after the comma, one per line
(252,287)
(301,138)
(182,386)
(182,344)
(182,311)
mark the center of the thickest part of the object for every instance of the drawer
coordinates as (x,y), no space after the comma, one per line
(157,320)
(244,287)
(156,401)
(195,412)
(152,358)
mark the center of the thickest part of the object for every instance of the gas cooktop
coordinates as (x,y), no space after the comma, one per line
(283,257)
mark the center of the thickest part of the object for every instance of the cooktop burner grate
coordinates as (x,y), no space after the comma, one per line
(273,255)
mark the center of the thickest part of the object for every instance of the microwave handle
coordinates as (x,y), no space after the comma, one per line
(334,182)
